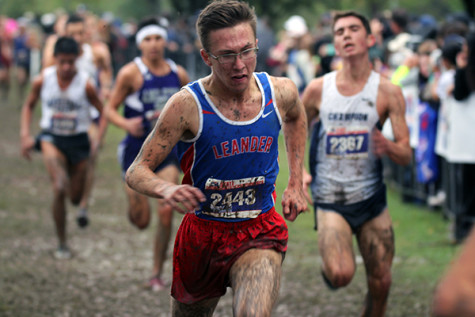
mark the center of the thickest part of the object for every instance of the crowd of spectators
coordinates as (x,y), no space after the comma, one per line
(425,56)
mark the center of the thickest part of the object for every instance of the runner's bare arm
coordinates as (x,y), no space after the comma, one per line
(294,122)
(27,141)
(104,64)
(48,50)
(398,151)
(179,119)
(92,97)
(123,87)
(311,99)
(97,103)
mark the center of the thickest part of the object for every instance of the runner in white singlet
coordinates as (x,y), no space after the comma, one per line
(352,104)
(66,95)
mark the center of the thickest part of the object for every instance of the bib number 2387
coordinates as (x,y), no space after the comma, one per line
(348,144)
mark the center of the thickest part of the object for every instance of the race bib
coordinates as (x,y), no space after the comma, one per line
(64,123)
(233,198)
(347,142)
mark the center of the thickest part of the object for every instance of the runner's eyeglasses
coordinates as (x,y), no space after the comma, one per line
(231,57)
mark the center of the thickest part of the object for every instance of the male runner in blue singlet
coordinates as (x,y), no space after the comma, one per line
(227,127)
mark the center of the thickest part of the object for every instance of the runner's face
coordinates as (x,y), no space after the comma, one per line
(153,46)
(76,31)
(65,65)
(350,37)
(232,40)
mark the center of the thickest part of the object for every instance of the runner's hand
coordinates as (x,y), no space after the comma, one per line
(135,126)
(183,198)
(307,180)
(293,202)
(27,144)
(380,143)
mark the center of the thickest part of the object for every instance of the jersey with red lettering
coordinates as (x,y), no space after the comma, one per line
(234,163)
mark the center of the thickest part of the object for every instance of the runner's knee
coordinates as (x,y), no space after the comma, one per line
(139,217)
(339,276)
(76,199)
(381,283)
(60,185)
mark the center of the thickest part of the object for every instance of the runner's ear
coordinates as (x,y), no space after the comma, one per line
(370,40)
(206,58)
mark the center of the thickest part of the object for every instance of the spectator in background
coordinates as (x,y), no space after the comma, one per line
(450,50)
(293,52)
(426,27)
(427,162)
(110,34)
(5,55)
(397,49)
(461,146)
(128,29)
(465,74)
(323,44)
(415,76)
(21,56)
(266,37)
(377,52)
(443,86)
(35,43)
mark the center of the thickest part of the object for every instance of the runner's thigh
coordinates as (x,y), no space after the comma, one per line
(376,243)
(335,241)
(78,179)
(56,165)
(255,280)
(139,208)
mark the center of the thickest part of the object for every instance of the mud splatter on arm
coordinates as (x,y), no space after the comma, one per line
(173,124)
(294,126)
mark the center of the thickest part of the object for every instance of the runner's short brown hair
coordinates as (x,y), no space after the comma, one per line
(223,14)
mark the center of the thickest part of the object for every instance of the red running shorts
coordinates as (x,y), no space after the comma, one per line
(205,251)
